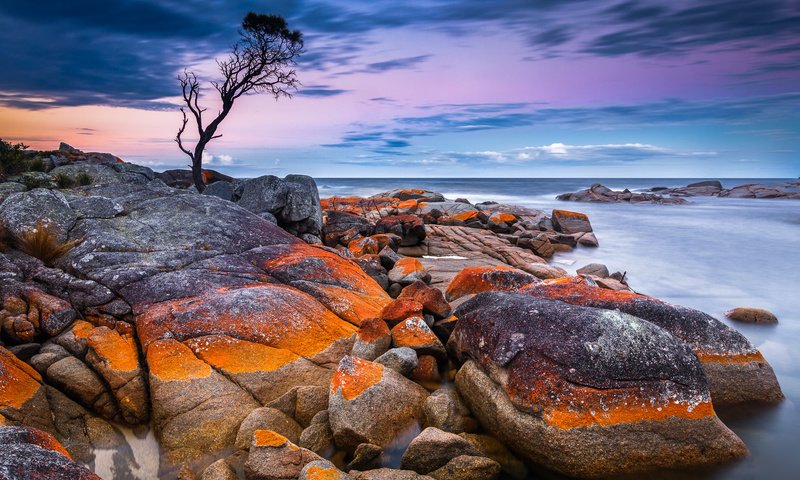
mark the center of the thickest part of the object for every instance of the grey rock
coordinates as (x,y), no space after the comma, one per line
(277,462)
(445,410)
(318,436)
(266,418)
(434,448)
(95,207)
(22,211)
(594,269)
(402,360)
(221,189)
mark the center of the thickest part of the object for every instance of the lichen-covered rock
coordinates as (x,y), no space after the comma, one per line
(407,271)
(28,453)
(472,280)
(584,391)
(570,222)
(371,404)
(338,223)
(736,370)
(273,457)
(432,299)
(402,360)
(414,333)
(401,309)
(322,470)
(267,418)
(434,448)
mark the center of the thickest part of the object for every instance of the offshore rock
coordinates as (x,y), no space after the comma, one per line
(584,391)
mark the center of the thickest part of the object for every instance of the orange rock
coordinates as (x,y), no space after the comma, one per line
(118,352)
(239,356)
(472,280)
(432,299)
(268,438)
(355,375)
(171,360)
(401,309)
(415,333)
(570,222)
(18,381)
(409,205)
(465,216)
(363,246)
(427,372)
(503,218)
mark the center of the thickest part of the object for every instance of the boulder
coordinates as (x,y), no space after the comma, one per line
(752,315)
(318,436)
(472,280)
(431,299)
(595,270)
(409,228)
(322,470)
(273,457)
(372,404)
(445,410)
(433,449)
(512,466)
(468,467)
(414,333)
(221,189)
(365,457)
(736,370)
(401,309)
(407,271)
(402,360)
(570,222)
(29,453)
(219,470)
(337,223)
(294,201)
(586,392)
(266,418)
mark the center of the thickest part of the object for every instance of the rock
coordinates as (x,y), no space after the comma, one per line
(600,193)
(588,240)
(21,212)
(388,257)
(571,222)
(318,436)
(545,272)
(433,449)
(266,418)
(412,194)
(752,315)
(9,188)
(322,470)
(416,334)
(29,453)
(311,399)
(401,309)
(179,178)
(273,457)
(373,339)
(219,470)
(595,270)
(427,372)
(407,271)
(468,467)
(371,265)
(494,449)
(432,299)
(402,360)
(77,380)
(708,183)
(445,410)
(474,280)
(294,201)
(365,457)
(388,474)
(736,370)
(554,393)
(337,223)
(409,228)
(221,189)
(371,404)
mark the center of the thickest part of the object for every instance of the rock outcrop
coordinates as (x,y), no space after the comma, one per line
(587,392)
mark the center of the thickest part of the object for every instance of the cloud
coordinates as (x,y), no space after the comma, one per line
(222,160)
(395,64)
(320,91)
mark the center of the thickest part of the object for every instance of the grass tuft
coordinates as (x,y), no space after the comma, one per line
(43,243)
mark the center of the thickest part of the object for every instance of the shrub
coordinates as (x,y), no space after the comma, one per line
(36,165)
(43,243)
(64,181)
(13,160)
(84,179)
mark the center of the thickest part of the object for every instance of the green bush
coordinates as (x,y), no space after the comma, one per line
(13,160)
(65,181)
(84,179)
(36,165)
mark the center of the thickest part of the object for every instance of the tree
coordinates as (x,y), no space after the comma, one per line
(261,61)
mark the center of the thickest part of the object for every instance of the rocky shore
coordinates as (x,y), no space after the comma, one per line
(676,196)
(264,333)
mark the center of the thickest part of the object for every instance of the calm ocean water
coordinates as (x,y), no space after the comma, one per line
(714,254)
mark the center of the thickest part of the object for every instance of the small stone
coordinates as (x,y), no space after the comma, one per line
(752,315)
(402,360)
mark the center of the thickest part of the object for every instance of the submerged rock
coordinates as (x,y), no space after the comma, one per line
(752,315)
(584,391)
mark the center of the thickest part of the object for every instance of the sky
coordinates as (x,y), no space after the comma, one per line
(434,88)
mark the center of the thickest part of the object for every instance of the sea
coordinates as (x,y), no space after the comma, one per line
(713,254)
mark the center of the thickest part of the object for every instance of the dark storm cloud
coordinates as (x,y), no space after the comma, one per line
(127,52)
(649,28)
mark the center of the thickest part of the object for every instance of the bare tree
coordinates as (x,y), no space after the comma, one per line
(261,61)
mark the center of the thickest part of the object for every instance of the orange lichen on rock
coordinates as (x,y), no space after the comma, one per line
(239,356)
(354,376)
(268,438)
(472,280)
(363,246)
(275,315)
(373,329)
(316,472)
(730,357)
(18,381)
(408,265)
(351,306)
(400,309)
(407,204)
(170,360)
(118,351)
(413,332)
(503,217)
(464,216)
